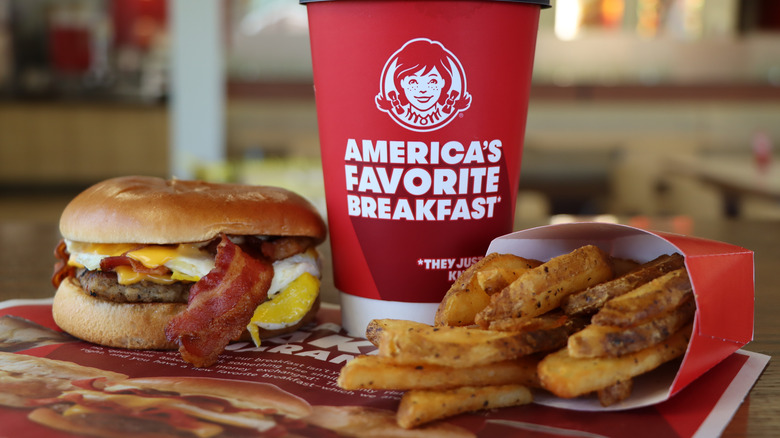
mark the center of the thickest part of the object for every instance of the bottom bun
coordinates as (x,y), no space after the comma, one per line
(123,325)
(139,326)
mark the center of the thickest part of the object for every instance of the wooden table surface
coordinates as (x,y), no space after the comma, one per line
(26,260)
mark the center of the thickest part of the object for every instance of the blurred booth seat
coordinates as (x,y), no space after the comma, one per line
(744,189)
(574,177)
(640,185)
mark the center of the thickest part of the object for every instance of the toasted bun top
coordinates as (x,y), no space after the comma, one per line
(138,209)
(242,394)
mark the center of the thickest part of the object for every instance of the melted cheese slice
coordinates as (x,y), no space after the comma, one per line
(188,262)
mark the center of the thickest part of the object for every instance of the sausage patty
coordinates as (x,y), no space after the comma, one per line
(105,285)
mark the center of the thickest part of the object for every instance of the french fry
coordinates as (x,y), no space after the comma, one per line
(598,340)
(580,323)
(452,346)
(375,372)
(647,301)
(569,377)
(375,327)
(422,406)
(592,299)
(542,289)
(548,321)
(471,292)
(501,271)
(616,392)
(622,266)
(368,421)
(542,333)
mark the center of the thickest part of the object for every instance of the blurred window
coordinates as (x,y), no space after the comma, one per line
(269,41)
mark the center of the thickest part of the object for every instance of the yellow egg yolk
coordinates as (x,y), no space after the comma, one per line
(287,307)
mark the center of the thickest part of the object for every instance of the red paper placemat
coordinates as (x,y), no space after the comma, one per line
(306,363)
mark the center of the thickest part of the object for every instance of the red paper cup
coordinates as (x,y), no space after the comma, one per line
(422,109)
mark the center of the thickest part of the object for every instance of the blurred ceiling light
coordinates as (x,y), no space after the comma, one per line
(568,18)
(612,12)
(648,18)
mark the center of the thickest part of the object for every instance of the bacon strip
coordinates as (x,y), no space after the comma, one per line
(111,263)
(220,305)
(61,268)
(63,271)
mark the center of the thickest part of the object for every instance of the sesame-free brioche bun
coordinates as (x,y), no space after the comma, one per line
(140,209)
(137,326)
(122,325)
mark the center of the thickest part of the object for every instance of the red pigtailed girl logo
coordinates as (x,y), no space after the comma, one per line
(423,86)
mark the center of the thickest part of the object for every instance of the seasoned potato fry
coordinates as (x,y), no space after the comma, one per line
(593,298)
(542,289)
(452,346)
(621,266)
(375,372)
(580,323)
(471,291)
(375,328)
(548,321)
(503,270)
(647,301)
(616,392)
(598,340)
(568,377)
(372,422)
(542,333)
(422,406)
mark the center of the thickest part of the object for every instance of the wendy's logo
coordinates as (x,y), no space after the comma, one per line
(423,86)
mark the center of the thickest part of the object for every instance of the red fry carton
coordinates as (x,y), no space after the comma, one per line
(722,276)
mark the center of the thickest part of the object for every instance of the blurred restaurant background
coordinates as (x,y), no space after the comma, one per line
(638,107)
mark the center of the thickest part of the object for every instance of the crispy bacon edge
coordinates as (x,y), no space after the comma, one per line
(111,263)
(61,268)
(220,305)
